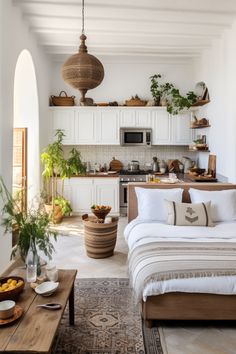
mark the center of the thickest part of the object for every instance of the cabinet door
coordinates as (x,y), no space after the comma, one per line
(181,132)
(107,192)
(82,194)
(108,129)
(63,118)
(143,118)
(161,127)
(127,118)
(85,126)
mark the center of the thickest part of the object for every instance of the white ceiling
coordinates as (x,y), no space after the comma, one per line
(148,28)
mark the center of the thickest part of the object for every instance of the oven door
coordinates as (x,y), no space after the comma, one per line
(123,198)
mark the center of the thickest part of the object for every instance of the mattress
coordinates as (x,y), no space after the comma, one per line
(138,233)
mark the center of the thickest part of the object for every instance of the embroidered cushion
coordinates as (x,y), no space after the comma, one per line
(186,214)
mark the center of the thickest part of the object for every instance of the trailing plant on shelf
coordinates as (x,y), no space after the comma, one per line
(32,225)
(175,102)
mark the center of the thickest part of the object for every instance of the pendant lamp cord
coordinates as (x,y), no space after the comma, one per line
(82,16)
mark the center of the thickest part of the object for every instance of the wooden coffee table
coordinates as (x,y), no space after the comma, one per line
(34,332)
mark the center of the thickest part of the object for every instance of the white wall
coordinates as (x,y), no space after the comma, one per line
(125,78)
(217,68)
(16,38)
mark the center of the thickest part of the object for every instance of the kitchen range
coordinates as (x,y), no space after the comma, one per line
(127,176)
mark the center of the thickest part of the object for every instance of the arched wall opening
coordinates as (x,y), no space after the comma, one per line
(26,115)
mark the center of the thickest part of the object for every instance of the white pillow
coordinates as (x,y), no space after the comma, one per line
(151,205)
(223,203)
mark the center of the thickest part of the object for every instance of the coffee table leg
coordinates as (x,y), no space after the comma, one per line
(72,307)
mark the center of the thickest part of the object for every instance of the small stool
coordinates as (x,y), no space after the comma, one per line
(100,238)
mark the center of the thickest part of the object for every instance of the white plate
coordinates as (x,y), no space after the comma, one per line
(169,180)
(46,288)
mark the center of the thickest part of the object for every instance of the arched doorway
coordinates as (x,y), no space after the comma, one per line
(26,162)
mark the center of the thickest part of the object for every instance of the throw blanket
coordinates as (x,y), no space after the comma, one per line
(158,261)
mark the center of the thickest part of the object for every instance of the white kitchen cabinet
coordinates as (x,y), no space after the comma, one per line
(181,134)
(86,127)
(63,118)
(161,127)
(83,192)
(108,127)
(135,118)
(107,192)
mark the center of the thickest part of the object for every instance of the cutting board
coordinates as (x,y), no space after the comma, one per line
(115,165)
(212,165)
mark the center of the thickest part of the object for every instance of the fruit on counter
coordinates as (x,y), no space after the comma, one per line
(10,285)
(101,207)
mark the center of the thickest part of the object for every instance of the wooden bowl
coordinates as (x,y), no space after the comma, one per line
(101,214)
(14,293)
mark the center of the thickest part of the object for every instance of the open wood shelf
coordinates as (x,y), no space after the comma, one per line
(200,103)
(197,150)
(200,126)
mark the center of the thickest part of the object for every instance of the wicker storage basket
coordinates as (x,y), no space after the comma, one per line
(100,239)
(135,102)
(63,101)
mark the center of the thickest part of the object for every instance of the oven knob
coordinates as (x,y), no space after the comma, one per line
(141,180)
(122,179)
(128,179)
(134,179)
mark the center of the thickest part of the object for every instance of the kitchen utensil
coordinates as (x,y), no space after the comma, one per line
(115,165)
(155,165)
(133,166)
(212,165)
(188,163)
(50,306)
(18,312)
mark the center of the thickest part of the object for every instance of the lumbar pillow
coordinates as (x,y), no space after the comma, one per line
(151,205)
(223,203)
(186,214)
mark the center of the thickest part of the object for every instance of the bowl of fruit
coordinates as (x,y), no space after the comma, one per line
(100,211)
(11,287)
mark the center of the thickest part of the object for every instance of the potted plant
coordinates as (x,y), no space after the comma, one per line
(155,88)
(177,102)
(57,167)
(33,225)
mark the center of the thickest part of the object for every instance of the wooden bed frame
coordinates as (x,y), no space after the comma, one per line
(183,306)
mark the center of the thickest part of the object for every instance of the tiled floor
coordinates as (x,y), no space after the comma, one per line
(180,338)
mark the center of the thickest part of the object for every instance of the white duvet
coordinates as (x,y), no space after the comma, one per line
(138,232)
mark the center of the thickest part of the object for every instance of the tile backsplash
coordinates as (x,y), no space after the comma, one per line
(104,153)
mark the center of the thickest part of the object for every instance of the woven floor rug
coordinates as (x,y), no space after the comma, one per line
(106,322)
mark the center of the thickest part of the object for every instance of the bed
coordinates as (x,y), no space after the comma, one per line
(203,298)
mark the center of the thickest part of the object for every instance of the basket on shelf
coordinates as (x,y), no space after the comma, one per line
(63,100)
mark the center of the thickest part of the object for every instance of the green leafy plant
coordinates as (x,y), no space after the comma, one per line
(64,204)
(74,164)
(155,88)
(174,100)
(32,225)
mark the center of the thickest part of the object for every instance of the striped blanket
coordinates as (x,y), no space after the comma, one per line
(158,261)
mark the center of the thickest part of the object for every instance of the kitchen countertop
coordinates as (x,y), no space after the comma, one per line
(98,174)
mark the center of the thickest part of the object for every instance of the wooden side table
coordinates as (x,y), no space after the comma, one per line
(100,238)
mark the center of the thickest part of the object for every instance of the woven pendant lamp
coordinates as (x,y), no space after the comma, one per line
(83,71)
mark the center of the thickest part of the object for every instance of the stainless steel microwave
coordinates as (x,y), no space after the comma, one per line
(135,137)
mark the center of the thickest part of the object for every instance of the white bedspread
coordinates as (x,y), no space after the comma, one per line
(138,232)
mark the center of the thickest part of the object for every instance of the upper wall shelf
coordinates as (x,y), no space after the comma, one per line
(200,126)
(200,103)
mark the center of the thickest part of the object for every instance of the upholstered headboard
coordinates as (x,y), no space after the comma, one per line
(132,199)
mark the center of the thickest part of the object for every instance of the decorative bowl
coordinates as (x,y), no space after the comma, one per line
(12,291)
(46,288)
(101,213)
(7,309)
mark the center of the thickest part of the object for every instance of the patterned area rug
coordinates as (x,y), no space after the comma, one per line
(106,322)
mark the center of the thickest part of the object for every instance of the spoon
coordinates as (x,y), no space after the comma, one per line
(50,306)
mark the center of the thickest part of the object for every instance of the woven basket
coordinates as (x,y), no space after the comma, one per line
(63,101)
(135,102)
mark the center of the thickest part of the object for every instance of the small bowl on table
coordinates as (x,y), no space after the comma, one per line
(11,287)
(101,213)
(7,308)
